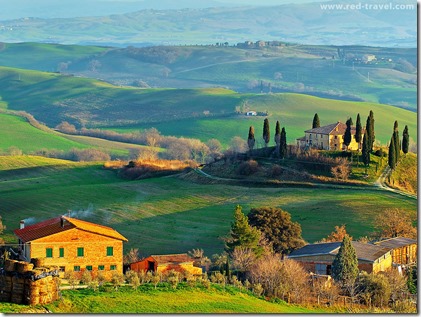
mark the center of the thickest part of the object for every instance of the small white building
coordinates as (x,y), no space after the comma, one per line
(251,113)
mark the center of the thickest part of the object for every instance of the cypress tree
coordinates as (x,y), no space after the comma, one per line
(397,146)
(405,140)
(266,132)
(358,131)
(345,264)
(251,140)
(372,134)
(365,150)
(347,135)
(242,234)
(392,153)
(277,135)
(316,121)
(283,144)
(368,132)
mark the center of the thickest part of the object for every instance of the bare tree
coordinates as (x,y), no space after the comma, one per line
(243,258)
(131,256)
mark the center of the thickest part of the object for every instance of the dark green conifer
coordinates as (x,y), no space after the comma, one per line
(345,264)
(405,140)
(283,144)
(266,132)
(316,121)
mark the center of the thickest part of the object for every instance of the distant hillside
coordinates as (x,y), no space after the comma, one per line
(324,71)
(200,113)
(300,23)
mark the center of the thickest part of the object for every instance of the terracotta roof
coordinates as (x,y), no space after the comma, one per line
(395,243)
(337,128)
(364,251)
(55,225)
(172,258)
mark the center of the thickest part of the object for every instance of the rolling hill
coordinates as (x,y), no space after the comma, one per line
(173,214)
(315,70)
(200,113)
(302,23)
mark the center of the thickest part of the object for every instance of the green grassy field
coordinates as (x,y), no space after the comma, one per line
(53,98)
(309,67)
(164,300)
(17,132)
(172,215)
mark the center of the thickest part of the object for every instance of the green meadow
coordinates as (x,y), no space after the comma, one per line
(184,299)
(172,214)
(200,113)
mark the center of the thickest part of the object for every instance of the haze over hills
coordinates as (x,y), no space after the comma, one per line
(299,22)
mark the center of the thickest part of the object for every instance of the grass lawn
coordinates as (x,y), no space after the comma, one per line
(171,215)
(165,300)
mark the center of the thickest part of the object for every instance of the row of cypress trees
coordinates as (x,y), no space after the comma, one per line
(280,138)
(395,145)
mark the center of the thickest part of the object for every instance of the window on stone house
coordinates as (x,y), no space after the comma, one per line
(101,267)
(49,252)
(113,267)
(61,252)
(110,251)
(76,268)
(80,252)
(89,267)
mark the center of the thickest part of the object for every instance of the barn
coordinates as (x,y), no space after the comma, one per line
(318,258)
(72,245)
(404,250)
(162,263)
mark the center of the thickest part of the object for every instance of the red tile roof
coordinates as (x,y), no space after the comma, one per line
(172,258)
(337,128)
(53,226)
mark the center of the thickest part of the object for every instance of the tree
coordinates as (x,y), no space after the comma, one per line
(266,131)
(365,152)
(250,140)
(337,235)
(358,131)
(277,227)
(347,135)
(374,289)
(345,265)
(371,130)
(316,121)
(132,256)
(395,223)
(397,143)
(242,234)
(405,140)
(277,136)
(283,144)
(392,153)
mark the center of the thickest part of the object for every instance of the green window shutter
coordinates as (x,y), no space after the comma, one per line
(89,267)
(110,251)
(80,252)
(61,251)
(101,267)
(49,252)
(76,268)
(113,267)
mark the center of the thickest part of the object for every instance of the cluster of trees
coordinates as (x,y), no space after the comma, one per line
(396,145)
(176,148)
(280,138)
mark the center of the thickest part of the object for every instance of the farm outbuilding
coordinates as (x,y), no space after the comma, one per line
(163,263)
(72,245)
(404,250)
(318,258)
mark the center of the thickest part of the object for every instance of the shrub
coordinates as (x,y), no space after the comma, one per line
(86,277)
(248,168)
(257,289)
(72,278)
(117,279)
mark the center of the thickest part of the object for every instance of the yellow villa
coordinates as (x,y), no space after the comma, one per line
(329,137)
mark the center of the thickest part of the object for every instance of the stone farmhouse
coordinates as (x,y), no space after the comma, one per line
(328,137)
(318,258)
(72,245)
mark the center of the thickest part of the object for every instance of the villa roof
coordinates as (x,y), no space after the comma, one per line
(172,258)
(337,128)
(61,224)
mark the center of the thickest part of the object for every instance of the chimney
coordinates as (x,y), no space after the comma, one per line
(62,222)
(22,224)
